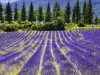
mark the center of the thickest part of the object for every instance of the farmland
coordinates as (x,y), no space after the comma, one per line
(51,40)
(74,52)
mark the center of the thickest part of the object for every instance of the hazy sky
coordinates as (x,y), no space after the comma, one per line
(5,1)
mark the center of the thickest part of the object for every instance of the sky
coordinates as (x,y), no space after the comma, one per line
(5,1)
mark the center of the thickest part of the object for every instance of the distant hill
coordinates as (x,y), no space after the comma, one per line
(96,4)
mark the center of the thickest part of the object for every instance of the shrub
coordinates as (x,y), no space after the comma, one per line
(27,24)
(81,25)
(49,26)
(8,27)
(54,25)
(2,27)
(19,21)
(15,24)
(37,26)
(60,23)
(21,26)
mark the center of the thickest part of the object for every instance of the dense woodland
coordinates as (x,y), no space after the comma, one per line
(50,19)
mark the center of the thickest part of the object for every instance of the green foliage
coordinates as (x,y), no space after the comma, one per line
(48,13)
(40,14)
(31,15)
(2,27)
(84,14)
(43,26)
(1,13)
(15,24)
(56,10)
(8,13)
(73,14)
(89,12)
(62,12)
(49,26)
(23,12)
(98,24)
(67,13)
(96,20)
(10,27)
(60,23)
(16,13)
(35,14)
(37,26)
(81,25)
(54,25)
(45,19)
(44,13)
(27,24)
(77,12)
(19,15)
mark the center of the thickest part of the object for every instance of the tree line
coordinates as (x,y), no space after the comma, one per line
(78,14)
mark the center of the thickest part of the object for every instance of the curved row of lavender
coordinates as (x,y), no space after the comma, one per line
(50,53)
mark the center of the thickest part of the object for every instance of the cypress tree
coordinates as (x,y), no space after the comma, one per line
(56,10)
(67,13)
(23,12)
(84,11)
(73,14)
(48,13)
(77,12)
(16,12)
(31,16)
(40,14)
(1,13)
(8,13)
(89,12)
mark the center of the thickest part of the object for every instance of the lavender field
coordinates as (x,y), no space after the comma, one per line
(50,53)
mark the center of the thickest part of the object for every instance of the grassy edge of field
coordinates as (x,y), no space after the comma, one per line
(68,27)
(76,27)
(82,28)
